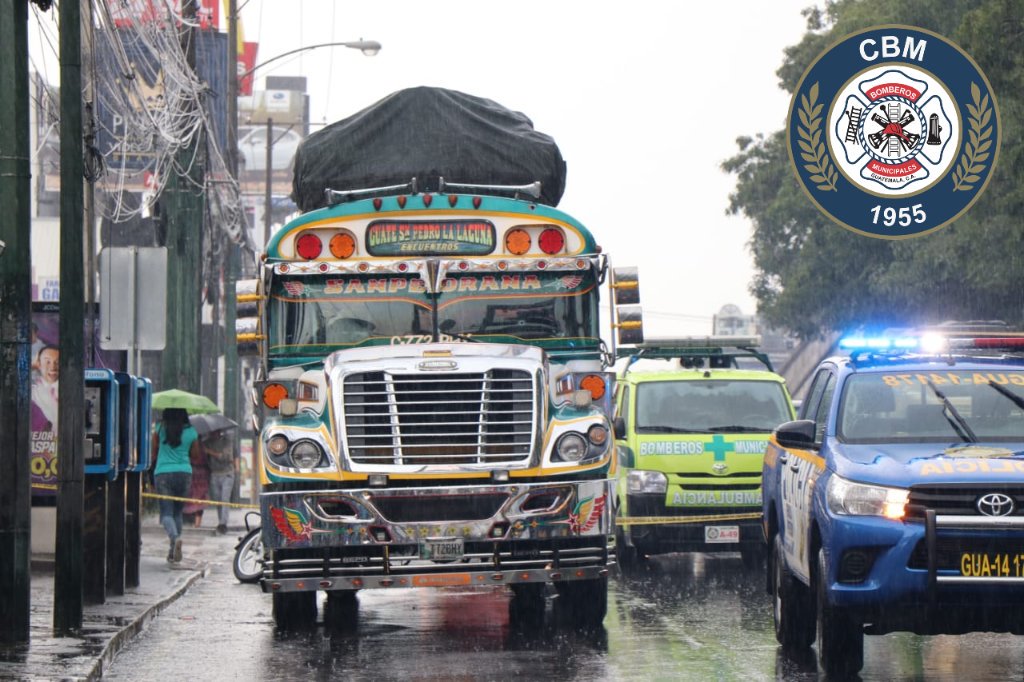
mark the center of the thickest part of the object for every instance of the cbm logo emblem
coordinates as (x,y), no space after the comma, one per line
(894,132)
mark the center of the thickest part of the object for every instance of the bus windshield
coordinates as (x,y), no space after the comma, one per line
(322,313)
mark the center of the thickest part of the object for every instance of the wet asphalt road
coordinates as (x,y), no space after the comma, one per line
(688,617)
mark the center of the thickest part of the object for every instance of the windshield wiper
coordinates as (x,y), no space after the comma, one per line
(1016,399)
(740,428)
(647,428)
(954,418)
(463,337)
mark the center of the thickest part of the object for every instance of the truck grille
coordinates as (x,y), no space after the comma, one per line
(441,419)
(959,500)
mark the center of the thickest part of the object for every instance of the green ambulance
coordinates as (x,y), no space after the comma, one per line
(692,425)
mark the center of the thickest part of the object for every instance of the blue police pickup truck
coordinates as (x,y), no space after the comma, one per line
(896,501)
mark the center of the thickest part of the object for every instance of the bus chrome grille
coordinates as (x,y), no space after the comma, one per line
(447,419)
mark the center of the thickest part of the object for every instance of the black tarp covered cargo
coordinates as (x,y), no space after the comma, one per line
(427,133)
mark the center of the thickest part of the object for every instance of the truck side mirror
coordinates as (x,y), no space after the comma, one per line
(797,434)
(619,426)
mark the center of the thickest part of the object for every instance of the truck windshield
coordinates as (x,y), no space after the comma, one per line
(710,406)
(322,313)
(948,406)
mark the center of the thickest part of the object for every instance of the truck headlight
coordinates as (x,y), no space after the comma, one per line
(861,499)
(306,454)
(571,447)
(639,481)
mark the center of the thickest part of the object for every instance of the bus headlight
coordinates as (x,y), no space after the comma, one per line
(306,454)
(277,445)
(571,447)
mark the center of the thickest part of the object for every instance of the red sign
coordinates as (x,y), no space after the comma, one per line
(246,63)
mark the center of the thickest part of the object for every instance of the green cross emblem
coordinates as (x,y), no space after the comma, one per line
(720,447)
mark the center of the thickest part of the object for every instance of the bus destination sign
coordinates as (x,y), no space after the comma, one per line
(429,237)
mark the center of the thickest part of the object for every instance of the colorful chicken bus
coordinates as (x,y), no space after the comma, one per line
(435,399)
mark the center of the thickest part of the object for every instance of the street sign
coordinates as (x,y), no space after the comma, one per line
(133,298)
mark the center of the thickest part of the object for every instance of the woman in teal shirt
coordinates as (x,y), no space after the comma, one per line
(175,442)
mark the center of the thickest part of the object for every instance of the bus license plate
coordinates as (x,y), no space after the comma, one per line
(994,565)
(442,549)
(721,534)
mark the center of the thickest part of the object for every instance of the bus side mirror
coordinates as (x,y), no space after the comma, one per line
(249,311)
(626,285)
(630,324)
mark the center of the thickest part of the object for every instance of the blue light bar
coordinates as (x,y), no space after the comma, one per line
(879,343)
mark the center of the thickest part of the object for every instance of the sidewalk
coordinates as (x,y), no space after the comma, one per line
(108,627)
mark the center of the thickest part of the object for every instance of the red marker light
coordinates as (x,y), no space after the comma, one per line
(309,246)
(551,241)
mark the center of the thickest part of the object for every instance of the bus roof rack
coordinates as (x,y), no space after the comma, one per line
(336,196)
(532,189)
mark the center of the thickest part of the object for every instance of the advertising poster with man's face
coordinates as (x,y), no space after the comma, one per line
(45,378)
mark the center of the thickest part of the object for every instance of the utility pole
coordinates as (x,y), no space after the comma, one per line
(68,573)
(268,189)
(231,378)
(184,216)
(15,320)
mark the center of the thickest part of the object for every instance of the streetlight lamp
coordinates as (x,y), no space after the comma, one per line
(370,48)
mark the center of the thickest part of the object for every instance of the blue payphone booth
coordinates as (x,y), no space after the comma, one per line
(142,396)
(144,415)
(101,422)
(127,423)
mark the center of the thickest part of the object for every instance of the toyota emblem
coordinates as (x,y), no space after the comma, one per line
(995,504)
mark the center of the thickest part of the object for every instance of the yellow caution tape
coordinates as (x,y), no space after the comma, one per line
(621,521)
(212,503)
(154,496)
(667,520)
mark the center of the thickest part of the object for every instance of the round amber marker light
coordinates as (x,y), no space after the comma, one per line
(517,241)
(273,394)
(594,384)
(342,245)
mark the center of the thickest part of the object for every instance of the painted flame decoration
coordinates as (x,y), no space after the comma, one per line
(291,524)
(586,514)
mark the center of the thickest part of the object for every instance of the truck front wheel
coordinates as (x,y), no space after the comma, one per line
(294,610)
(583,602)
(792,611)
(840,635)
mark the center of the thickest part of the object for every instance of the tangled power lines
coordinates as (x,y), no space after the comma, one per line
(145,107)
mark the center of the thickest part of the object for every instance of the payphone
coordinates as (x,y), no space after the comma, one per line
(143,417)
(102,394)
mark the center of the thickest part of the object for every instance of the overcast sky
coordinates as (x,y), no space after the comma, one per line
(645,100)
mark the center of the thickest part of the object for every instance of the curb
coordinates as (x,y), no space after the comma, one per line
(128,632)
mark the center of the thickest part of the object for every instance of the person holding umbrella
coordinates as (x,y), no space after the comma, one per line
(176,443)
(223,471)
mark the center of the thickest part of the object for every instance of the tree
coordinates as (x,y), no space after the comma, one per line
(813,276)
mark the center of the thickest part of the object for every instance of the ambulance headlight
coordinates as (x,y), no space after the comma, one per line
(306,454)
(639,481)
(861,499)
